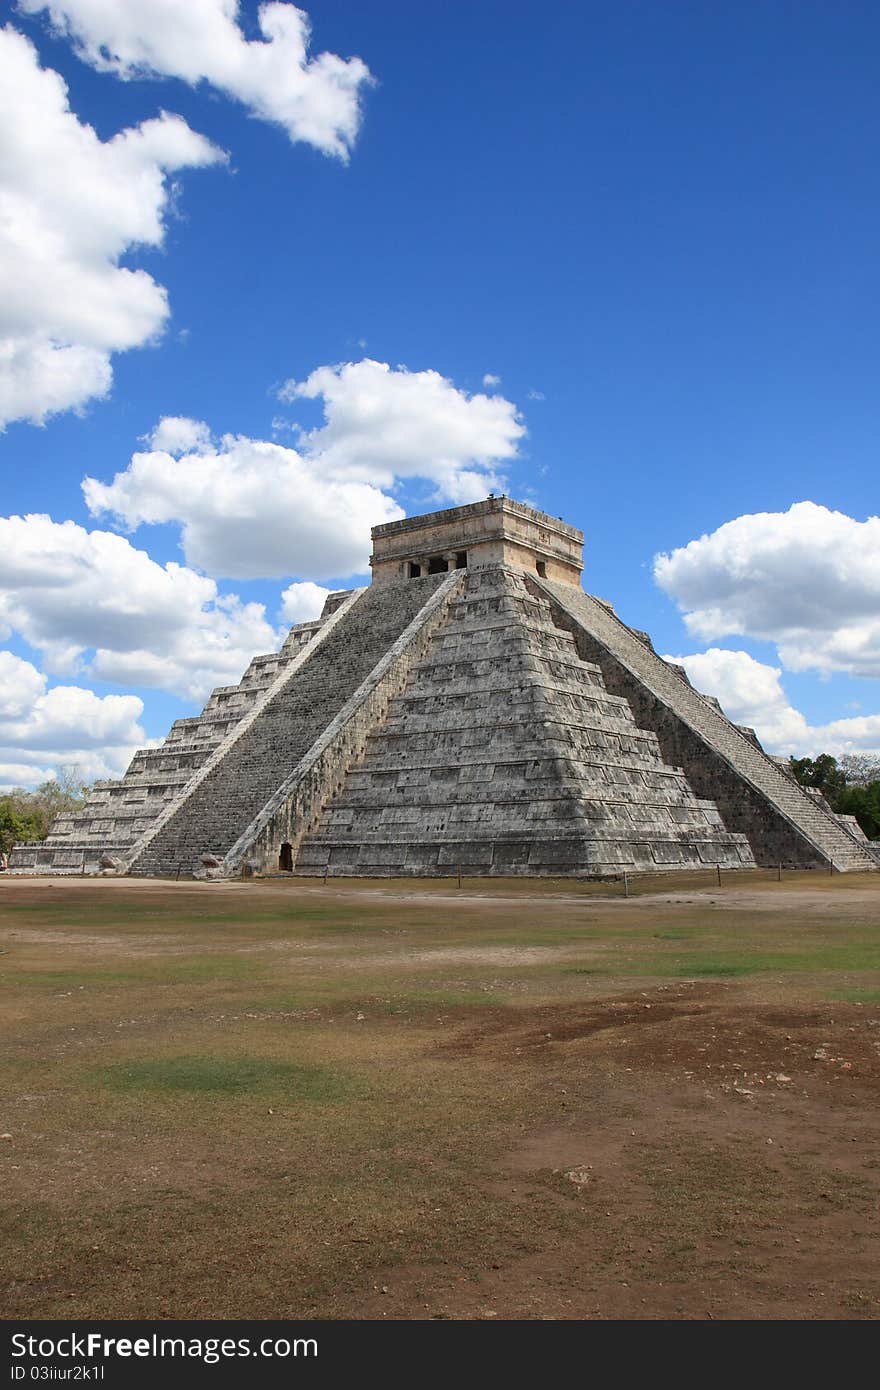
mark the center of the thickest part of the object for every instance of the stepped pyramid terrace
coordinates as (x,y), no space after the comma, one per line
(471,710)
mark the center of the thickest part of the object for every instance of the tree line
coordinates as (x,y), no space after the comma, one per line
(27,815)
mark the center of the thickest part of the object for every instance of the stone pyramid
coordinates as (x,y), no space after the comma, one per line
(505,753)
(472,711)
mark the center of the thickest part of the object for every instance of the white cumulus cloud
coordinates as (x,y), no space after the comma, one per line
(43,729)
(252,508)
(314,99)
(71,205)
(21,685)
(303,601)
(28,775)
(177,434)
(383,425)
(88,600)
(807,579)
(751,692)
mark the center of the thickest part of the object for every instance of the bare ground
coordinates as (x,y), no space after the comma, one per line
(409,1101)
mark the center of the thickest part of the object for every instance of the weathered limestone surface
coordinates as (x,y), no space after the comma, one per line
(505,754)
(236,785)
(783,824)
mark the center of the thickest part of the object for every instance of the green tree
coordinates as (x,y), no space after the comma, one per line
(864,804)
(27,815)
(821,773)
(18,821)
(850,786)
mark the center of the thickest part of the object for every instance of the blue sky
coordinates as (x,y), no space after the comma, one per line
(653,228)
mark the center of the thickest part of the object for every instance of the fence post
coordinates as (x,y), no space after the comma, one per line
(625,884)
(718,872)
(778,873)
(459,875)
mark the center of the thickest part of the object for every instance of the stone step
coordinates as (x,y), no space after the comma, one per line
(572,856)
(643,771)
(364,823)
(549,720)
(374,793)
(520,687)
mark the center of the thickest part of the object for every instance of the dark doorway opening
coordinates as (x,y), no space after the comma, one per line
(541,567)
(461,560)
(415,571)
(285,858)
(437,565)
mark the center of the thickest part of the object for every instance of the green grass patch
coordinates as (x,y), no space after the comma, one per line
(823,958)
(715,969)
(373,996)
(197,1074)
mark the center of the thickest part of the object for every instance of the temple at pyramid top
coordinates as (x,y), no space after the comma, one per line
(497,531)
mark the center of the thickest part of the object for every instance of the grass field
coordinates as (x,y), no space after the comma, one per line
(283,1099)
